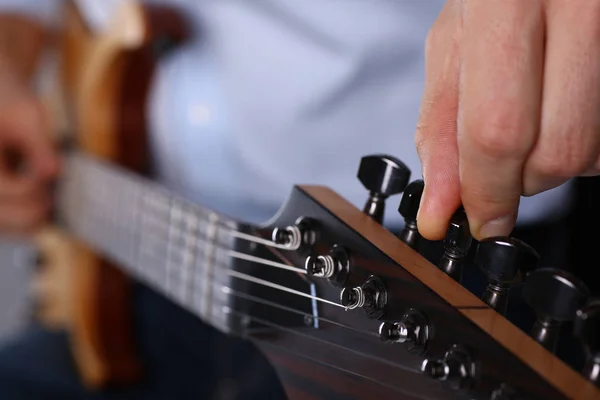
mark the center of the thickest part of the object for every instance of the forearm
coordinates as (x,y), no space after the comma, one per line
(22,41)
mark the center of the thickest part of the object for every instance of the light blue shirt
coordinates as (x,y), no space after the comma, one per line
(274,93)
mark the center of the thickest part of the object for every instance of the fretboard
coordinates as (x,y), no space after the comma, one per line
(181,249)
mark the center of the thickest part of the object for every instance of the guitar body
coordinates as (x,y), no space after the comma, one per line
(105,80)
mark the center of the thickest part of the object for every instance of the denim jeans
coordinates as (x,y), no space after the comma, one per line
(183,357)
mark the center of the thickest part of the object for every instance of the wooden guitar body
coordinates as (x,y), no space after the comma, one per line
(104,82)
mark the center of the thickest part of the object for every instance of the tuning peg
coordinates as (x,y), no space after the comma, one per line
(409,207)
(456,245)
(294,237)
(501,259)
(586,328)
(382,176)
(555,295)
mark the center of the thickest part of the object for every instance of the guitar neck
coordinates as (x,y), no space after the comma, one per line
(181,249)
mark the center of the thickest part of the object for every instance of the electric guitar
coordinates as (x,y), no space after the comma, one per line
(341,306)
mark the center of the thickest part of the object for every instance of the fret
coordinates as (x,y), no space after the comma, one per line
(186,286)
(173,231)
(154,238)
(221,316)
(132,246)
(177,247)
(208,265)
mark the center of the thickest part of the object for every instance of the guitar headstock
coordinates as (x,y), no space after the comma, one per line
(408,314)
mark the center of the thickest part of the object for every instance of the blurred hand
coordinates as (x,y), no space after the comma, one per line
(511,107)
(24,196)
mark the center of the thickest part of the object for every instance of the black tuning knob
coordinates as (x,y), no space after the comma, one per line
(457,369)
(382,176)
(555,295)
(413,330)
(409,207)
(586,328)
(456,245)
(503,260)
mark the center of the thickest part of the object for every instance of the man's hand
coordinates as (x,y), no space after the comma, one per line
(24,197)
(511,107)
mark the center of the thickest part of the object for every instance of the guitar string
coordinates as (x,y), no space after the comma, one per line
(269,303)
(254,279)
(165,226)
(317,339)
(90,198)
(201,219)
(113,172)
(230,291)
(227,290)
(252,259)
(150,280)
(258,260)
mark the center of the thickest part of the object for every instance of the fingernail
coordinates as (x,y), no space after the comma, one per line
(498,227)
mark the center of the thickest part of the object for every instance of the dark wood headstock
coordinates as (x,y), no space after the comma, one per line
(325,350)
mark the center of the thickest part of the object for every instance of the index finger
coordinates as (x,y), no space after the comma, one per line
(499,106)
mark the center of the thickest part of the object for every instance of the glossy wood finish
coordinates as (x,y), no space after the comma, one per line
(508,354)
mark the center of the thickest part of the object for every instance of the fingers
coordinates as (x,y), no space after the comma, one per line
(23,134)
(569,141)
(499,108)
(23,130)
(21,216)
(27,163)
(436,131)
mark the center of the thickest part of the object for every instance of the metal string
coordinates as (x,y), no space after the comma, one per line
(250,278)
(270,284)
(311,337)
(115,172)
(259,281)
(108,177)
(246,296)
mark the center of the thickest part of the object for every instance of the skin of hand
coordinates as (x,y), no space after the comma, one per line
(25,199)
(510,108)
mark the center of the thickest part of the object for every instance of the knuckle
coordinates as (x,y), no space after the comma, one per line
(423,140)
(420,139)
(565,158)
(498,134)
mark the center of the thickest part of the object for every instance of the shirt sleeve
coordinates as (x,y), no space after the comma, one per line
(44,11)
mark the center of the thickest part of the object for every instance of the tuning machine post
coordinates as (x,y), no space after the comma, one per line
(456,245)
(586,328)
(503,260)
(413,330)
(409,208)
(383,176)
(334,266)
(555,295)
(372,297)
(298,237)
(457,368)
